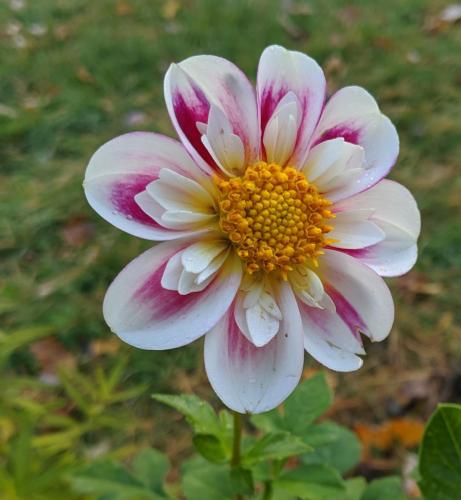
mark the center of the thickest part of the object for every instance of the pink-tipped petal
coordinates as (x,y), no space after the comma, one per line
(363,305)
(122,168)
(144,314)
(395,212)
(362,299)
(192,86)
(352,113)
(256,379)
(281,71)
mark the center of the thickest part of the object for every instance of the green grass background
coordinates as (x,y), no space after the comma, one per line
(75,73)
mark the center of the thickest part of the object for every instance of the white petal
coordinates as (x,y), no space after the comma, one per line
(176,192)
(335,166)
(352,113)
(188,283)
(362,299)
(225,147)
(396,213)
(195,84)
(281,71)
(262,326)
(319,342)
(309,288)
(145,314)
(256,379)
(353,229)
(281,131)
(122,168)
(198,256)
(213,267)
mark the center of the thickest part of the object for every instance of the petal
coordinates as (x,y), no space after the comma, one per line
(282,130)
(363,304)
(198,256)
(192,86)
(335,166)
(362,299)
(352,113)
(323,331)
(309,288)
(281,71)
(122,168)
(224,146)
(396,213)
(256,379)
(353,229)
(146,315)
(177,192)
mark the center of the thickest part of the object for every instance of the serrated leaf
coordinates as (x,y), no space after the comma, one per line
(198,413)
(388,488)
(275,446)
(210,447)
(340,449)
(310,482)
(440,455)
(150,467)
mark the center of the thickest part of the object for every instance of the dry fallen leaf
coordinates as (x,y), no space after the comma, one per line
(170,9)
(50,355)
(406,432)
(123,8)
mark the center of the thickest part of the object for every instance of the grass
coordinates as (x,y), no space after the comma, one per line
(76,73)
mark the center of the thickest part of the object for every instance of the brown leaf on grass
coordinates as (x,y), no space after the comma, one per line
(84,75)
(107,346)
(51,355)
(406,432)
(440,22)
(170,9)
(123,8)
(418,283)
(77,231)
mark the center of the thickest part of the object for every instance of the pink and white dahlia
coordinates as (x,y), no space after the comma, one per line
(276,221)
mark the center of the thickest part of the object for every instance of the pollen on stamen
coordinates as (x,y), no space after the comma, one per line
(274,217)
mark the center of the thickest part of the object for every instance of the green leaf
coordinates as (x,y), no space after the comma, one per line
(198,413)
(202,480)
(275,446)
(310,482)
(342,451)
(242,481)
(354,489)
(440,455)
(388,488)
(308,402)
(210,447)
(150,466)
(111,478)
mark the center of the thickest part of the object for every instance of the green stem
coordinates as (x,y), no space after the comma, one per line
(236,446)
(267,494)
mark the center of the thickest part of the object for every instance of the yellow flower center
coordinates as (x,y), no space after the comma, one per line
(274,217)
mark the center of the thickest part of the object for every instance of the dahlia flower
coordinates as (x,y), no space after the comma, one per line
(275,219)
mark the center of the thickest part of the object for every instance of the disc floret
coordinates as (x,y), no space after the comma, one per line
(274,217)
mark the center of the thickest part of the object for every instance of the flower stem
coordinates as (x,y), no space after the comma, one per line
(236,446)
(235,460)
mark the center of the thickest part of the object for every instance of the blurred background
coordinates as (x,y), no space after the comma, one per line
(75,73)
